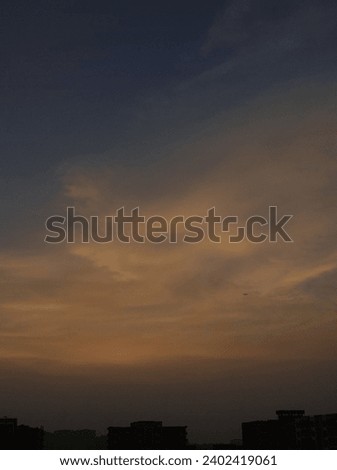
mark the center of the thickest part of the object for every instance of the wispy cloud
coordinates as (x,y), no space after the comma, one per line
(129,303)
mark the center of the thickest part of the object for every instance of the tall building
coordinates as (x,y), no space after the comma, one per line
(8,428)
(20,437)
(147,435)
(292,430)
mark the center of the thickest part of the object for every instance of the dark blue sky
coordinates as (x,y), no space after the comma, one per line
(73,72)
(76,75)
(128,82)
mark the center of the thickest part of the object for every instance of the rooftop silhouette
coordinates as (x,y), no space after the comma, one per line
(292,429)
(147,435)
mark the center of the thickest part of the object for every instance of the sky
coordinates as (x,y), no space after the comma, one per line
(174,107)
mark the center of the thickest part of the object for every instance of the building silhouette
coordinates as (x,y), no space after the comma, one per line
(8,428)
(147,435)
(14,436)
(292,430)
(68,439)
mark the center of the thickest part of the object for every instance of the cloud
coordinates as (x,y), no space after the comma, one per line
(247,25)
(229,27)
(126,304)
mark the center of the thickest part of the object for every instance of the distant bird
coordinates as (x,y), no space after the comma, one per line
(245,293)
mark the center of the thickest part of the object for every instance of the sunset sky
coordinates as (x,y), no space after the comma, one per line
(174,107)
